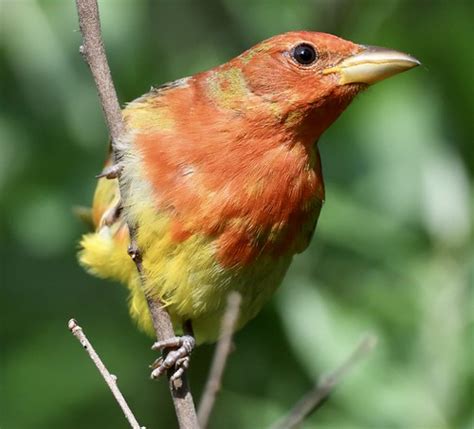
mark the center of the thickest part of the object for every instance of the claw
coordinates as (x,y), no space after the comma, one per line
(157,363)
(110,172)
(178,357)
(112,214)
(182,364)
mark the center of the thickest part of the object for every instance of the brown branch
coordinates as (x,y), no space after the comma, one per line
(93,52)
(219,361)
(110,379)
(317,396)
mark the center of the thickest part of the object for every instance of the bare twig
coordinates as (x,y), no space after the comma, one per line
(110,379)
(219,361)
(93,52)
(316,397)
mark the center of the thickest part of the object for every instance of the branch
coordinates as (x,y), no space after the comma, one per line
(110,379)
(316,397)
(219,361)
(93,52)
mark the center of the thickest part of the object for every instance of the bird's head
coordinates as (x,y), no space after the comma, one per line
(306,79)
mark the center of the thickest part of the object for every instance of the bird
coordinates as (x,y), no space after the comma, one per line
(224,180)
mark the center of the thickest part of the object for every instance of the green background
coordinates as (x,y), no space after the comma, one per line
(392,254)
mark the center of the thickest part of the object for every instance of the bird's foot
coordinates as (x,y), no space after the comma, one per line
(176,354)
(110,172)
(112,214)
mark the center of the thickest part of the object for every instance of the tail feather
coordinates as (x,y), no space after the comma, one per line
(104,254)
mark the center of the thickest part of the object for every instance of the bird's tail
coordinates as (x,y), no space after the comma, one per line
(104,254)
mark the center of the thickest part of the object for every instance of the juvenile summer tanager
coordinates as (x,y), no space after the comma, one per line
(224,179)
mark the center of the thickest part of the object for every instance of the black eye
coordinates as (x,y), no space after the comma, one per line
(304,54)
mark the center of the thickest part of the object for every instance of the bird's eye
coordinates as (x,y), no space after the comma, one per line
(304,54)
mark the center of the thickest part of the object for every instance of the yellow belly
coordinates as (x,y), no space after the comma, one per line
(185,276)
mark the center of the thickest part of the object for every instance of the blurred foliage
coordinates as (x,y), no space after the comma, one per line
(392,254)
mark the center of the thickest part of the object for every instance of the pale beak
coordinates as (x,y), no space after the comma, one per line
(372,65)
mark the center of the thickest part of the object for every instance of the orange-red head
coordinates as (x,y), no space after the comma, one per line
(303,78)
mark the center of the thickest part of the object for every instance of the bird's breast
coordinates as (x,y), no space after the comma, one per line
(249,207)
(240,183)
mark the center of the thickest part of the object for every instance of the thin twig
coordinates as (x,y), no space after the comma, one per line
(219,361)
(316,397)
(110,379)
(93,52)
